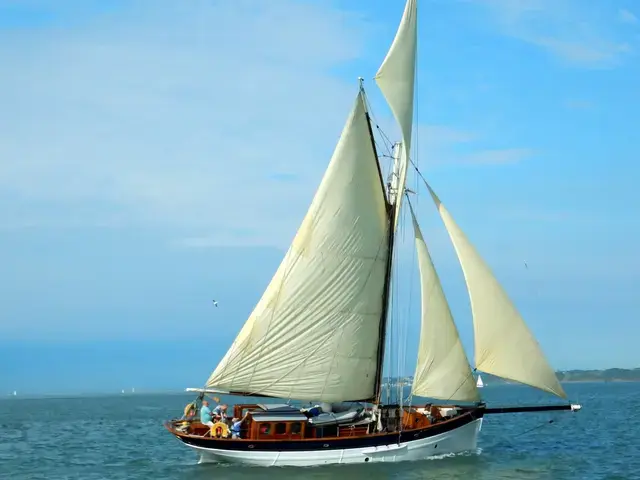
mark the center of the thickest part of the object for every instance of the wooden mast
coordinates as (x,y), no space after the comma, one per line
(382,331)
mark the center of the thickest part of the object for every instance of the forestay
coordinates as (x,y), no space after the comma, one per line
(314,333)
(396,80)
(442,370)
(504,346)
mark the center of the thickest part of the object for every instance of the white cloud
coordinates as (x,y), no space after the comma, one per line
(574,31)
(195,115)
(442,146)
(215,119)
(505,156)
(625,16)
(578,104)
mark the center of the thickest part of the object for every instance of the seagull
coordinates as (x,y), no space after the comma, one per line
(215,304)
(526,266)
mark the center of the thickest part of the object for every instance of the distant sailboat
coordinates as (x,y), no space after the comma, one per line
(479,383)
(320,329)
(15,393)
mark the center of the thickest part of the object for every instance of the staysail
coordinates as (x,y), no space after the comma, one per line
(442,370)
(314,334)
(504,346)
(396,80)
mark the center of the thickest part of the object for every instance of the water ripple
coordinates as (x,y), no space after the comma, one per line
(122,438)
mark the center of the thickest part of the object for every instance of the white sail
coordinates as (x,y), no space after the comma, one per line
(314,333)
(442,370)
(504,346)
(396,80)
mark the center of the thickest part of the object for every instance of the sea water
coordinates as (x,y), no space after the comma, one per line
(122,437)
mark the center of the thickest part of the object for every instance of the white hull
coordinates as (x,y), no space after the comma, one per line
(462,439)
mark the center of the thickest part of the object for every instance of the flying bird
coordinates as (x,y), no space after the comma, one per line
(215,304)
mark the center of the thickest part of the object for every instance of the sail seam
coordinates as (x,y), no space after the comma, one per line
(273,312)
(380,246)
(319,346)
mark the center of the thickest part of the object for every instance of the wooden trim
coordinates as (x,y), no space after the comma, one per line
(329,443)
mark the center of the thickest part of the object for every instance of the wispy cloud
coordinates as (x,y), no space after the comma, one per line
(440,134)
(176,114)
(578,104)
(504,156)
(201,117)
(447,146)
(574,31)
(625,16)
(541,216)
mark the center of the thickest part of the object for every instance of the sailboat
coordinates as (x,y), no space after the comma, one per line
(319,332)
(480,383)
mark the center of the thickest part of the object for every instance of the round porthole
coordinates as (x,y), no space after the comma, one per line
(250,446)
(366,459)
(325,445)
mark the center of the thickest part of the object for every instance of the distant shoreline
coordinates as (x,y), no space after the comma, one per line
(611,375)
(600,380)
(144,393)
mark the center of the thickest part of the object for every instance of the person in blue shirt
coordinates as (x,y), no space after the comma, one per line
(206,414)
(220,413)
(236,425)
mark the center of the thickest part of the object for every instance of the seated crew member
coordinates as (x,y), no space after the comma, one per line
(206,417)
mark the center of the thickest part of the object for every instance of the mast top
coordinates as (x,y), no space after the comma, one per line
(361,83)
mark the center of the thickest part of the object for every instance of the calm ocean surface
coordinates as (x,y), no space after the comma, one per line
(121,437)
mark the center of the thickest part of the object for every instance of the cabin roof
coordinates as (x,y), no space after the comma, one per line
(278,407)
(280,418)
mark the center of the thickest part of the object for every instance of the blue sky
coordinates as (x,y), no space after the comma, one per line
(155,155)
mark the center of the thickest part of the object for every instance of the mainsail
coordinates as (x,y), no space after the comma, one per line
(504,346)
(396,80)
(442,370)
(315,332)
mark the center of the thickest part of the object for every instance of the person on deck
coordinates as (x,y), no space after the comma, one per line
(220,413)
(206,414)
(236,425)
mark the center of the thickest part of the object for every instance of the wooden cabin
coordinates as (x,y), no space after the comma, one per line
(286,422)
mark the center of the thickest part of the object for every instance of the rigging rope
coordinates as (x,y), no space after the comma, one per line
(507,440)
